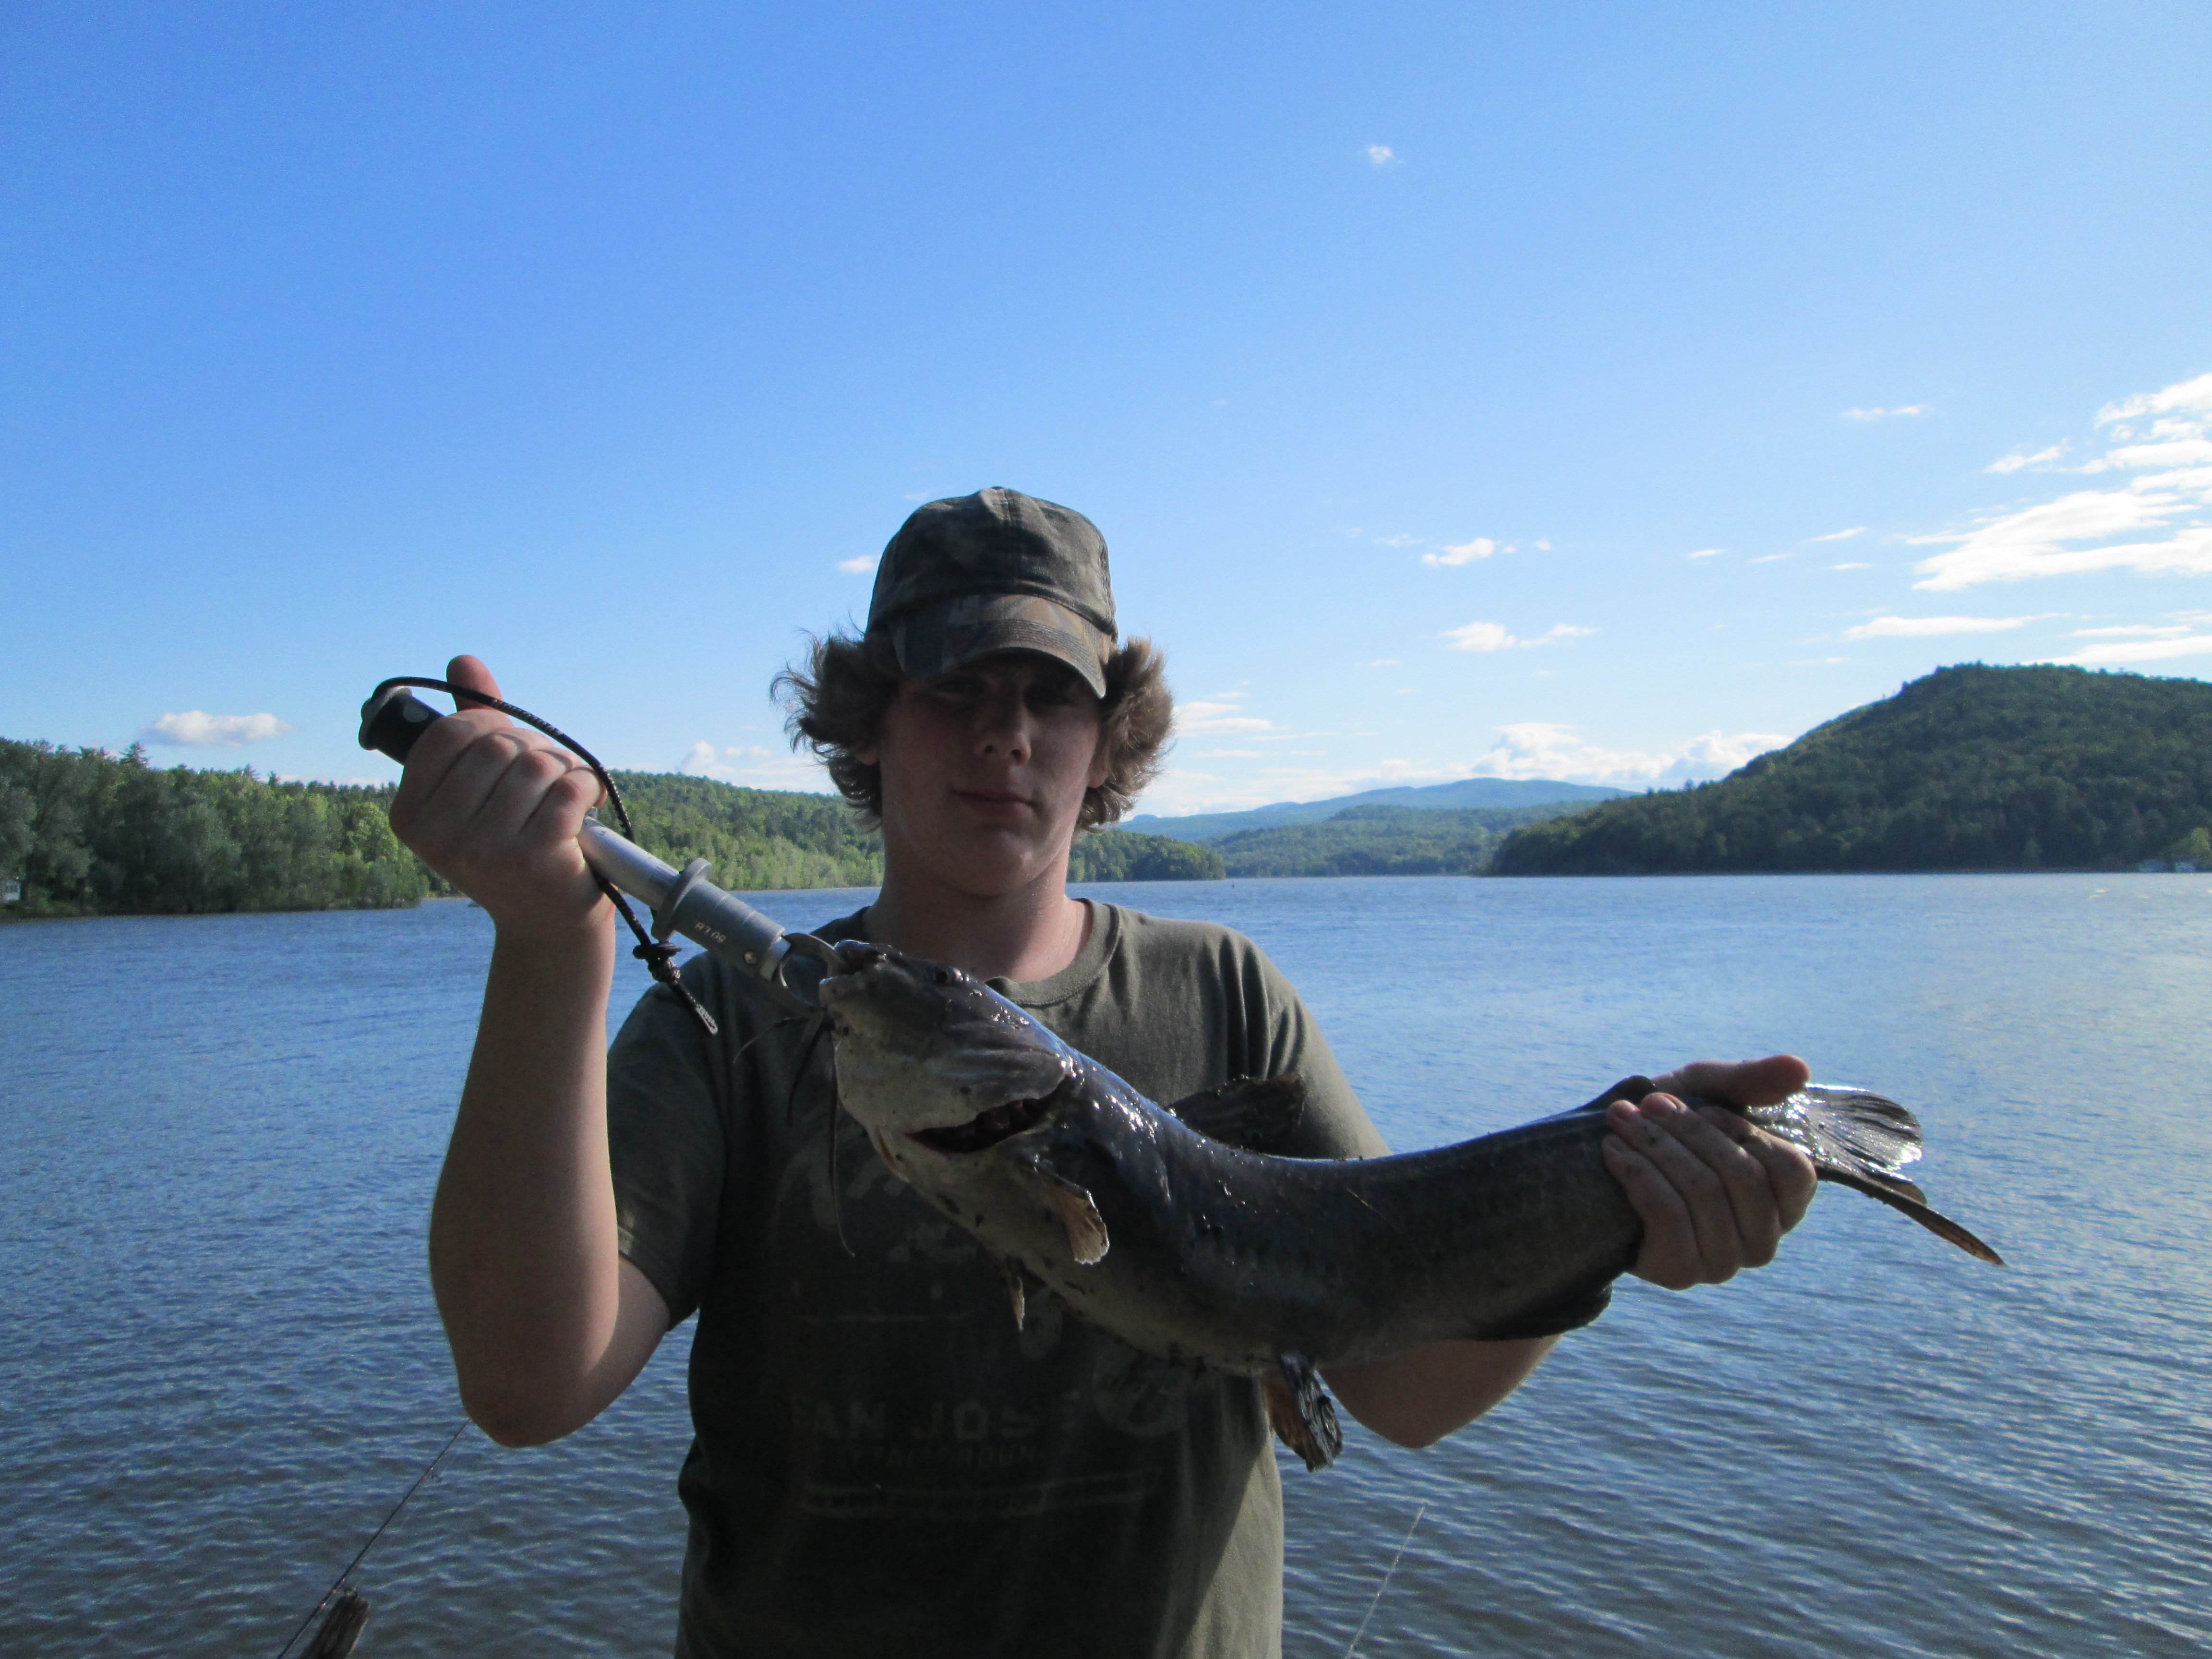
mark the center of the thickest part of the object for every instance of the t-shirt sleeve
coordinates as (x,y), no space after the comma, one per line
(1333,1124)
(667,1118)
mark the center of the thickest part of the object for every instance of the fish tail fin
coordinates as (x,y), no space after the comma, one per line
(1865,1141)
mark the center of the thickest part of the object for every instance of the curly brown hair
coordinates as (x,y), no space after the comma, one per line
(834,704)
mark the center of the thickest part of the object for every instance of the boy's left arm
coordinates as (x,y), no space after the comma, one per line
(1714,1196)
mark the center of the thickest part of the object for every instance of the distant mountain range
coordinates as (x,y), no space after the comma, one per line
(1435,797)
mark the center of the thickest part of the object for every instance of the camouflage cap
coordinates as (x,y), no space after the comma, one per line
(995,571)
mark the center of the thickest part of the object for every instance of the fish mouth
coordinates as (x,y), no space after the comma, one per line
(985,1129)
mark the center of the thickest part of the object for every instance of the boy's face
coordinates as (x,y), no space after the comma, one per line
(984,770)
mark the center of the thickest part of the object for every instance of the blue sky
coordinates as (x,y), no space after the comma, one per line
(1598,391)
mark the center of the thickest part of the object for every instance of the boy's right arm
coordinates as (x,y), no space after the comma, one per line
(546,1321)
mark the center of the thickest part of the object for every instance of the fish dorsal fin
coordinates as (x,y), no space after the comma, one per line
(1302,1412)
(1252,1112)
(1087,1228)
(1629,1088)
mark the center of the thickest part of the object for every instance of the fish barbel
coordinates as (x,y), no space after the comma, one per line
(1168,1229)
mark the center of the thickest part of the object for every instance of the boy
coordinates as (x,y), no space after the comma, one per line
(884,1464)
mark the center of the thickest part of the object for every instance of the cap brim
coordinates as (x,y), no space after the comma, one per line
(940,638)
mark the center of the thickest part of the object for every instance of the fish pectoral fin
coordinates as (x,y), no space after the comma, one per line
(1302,1412)
(1017,1280)
(1253,1112)
(1567,1312)
(1078,1213)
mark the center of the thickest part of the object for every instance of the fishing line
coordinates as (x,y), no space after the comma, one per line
(799,1076)
(1379,1589)
(431,1469)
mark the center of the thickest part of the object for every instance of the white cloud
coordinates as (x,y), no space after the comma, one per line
(1219,713)
(2152,629)
(2180,443)
(2194,397)
(1532,750)
(2195,645)
(1384,662)
(1381,156)
(1480,636)
(1541,545)
(1915,628)
(1464,553)
(1771,558)
(861,566)
(1537,748)
(1853,564)
(2020,460)
(198,729)
(2035,541)
(1492,636)
(1842,535)
(756,766)
(1885,414)
(1706,553)
(2155,523)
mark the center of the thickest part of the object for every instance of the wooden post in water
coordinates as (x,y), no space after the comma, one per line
(341,1627)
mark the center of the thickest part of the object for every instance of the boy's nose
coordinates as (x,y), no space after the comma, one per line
(1006,727)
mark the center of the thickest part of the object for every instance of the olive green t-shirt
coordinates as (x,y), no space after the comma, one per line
(884,1465)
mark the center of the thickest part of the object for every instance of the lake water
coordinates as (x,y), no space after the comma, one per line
(218,1137)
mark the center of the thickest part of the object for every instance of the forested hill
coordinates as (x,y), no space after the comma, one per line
(90,833)
(1468,794)
(758,839)
(85,832)
(1382,840)
(1974,768)
(755,839)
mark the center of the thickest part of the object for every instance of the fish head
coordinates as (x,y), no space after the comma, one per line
(933,1063)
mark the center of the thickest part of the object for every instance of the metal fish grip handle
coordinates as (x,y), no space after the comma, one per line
(684,903)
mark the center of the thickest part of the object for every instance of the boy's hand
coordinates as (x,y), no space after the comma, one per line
(1715,1194)
(495,807)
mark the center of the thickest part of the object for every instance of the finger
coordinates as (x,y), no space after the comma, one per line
(443,742)
(1704,1194)
(535,776)
(1788,1171)
(456,786)
(445,767)
(1668,1255)
(558,815)
(1738,1082)
(1713,1133)
(470,671)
